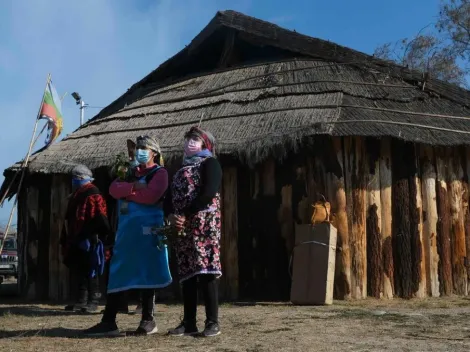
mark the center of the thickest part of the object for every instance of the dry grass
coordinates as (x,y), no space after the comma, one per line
(418,325)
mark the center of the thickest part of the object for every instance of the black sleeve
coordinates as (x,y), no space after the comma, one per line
(211,178)
(99,225)
(168,203)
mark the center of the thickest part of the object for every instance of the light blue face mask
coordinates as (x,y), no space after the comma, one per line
(79,182)
(142,156)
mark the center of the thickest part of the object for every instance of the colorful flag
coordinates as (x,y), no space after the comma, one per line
(52,111)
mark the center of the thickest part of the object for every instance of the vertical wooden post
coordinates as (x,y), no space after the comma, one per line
(59,284)
(31,242)
(401,235)
(416,223)
(443,225)
(54,239)
(457,218)
(268,178)
(385,173)
(336,185)
(355,171)
(286,219)
(466,162)
(22,238)
(229,240)
(374,222)
(428,179)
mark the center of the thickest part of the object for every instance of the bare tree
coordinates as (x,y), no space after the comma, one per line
(441,50)
(454,25)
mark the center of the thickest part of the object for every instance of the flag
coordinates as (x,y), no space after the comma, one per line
(51,111)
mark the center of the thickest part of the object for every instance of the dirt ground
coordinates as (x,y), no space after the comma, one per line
(370,325)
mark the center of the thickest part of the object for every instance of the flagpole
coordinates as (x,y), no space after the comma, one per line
(25,162)
(39,135)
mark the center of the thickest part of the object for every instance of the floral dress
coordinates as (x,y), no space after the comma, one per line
(198,251)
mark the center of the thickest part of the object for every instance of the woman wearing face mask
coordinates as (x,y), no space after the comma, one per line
(139,261)
(196,211)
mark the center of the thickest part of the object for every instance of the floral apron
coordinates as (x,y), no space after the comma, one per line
(198,252)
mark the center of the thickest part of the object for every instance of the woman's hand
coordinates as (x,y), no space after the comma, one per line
(177,221)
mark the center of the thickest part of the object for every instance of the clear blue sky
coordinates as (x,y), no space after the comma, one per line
(101,47)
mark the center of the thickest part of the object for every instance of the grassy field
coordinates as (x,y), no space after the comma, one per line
(370,325)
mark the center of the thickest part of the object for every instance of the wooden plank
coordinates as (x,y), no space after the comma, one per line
(443,224)
(337,195)
(416,223)
(374,221)
(245,232)
(286,219)
(385,174)
(268,178)
(300,191)
(43,183)
(465,151)
(31,242)
(22,238)
(54,247)
(430,218)
(457,220)
(401,234)
(58,273)
(355,171)
(229,240)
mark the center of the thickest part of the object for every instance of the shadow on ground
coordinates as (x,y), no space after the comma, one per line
(34,311)
(52,332)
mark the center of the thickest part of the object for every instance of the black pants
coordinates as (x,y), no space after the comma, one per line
(88,288)
(114,301)
(209,288)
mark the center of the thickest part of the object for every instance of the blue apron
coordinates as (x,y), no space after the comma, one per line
(139,258)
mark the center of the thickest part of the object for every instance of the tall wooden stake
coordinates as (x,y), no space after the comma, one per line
(25,163)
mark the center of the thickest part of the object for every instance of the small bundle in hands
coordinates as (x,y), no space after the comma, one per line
(166,233)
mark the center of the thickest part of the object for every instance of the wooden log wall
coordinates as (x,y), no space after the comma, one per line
(430,218)
(59,276)
(34,229)
(385,174)
(374,222)
(337,197)
(355,174)
(465,153)
(457,220)
(443,224)
(229,239)
(402,216)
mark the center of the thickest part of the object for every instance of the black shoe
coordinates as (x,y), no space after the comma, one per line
(147,327)
(75,307)
(102,329)
(184,329)
(211,329)
(90,308)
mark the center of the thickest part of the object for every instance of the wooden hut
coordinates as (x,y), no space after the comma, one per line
(295,117)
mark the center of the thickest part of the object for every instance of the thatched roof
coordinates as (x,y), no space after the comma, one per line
(275,88)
